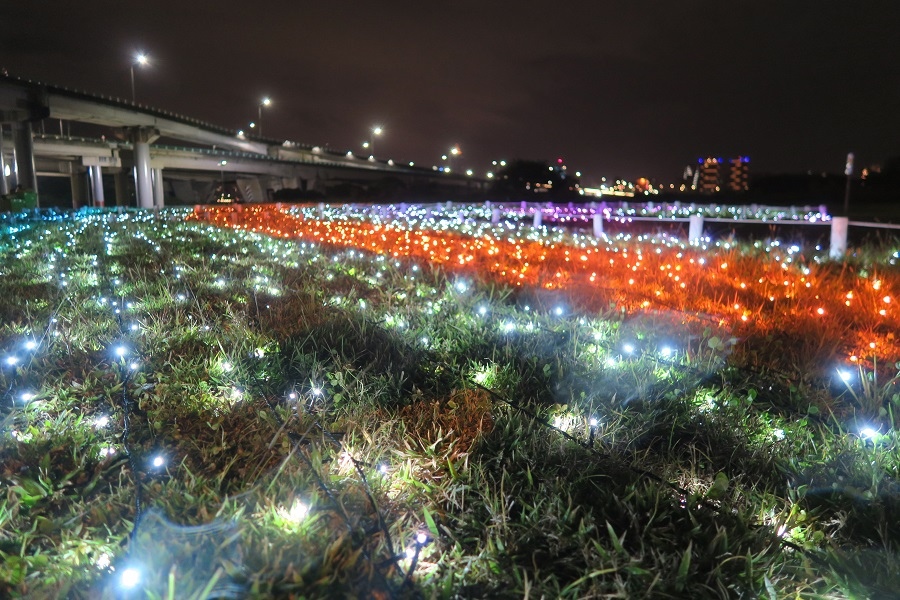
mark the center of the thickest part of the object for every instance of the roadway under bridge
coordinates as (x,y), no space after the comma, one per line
(146,157)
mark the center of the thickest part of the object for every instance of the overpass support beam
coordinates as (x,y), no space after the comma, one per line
(23,147)
(159,200)
(4,186)
(141,138)
(96,174)
(76,181)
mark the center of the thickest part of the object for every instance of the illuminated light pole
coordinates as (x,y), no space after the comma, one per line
(222,164)
(264,102)
(453,153)
(142,60)
(376,131)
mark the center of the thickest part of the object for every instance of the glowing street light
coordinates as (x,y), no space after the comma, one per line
(370,144)
(266,101)
(139,59)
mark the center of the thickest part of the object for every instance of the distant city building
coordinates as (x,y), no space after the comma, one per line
(738,175)
(709,180)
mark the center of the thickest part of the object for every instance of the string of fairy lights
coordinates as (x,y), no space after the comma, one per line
(124,358)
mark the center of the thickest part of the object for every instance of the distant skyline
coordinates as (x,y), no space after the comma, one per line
(616,89)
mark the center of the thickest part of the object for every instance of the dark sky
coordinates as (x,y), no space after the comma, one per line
(620,89)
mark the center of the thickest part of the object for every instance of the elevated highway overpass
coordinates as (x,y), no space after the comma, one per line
(133,152)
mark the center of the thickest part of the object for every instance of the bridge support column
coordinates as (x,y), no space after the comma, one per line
(23,147)
(141,138)
(76,181)
(96,174)
(159,198)
(4,186)
(121,180)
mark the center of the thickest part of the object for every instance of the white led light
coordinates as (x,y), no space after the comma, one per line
(868,433)
(593,422)
(130,578)
(158,461)
(12,360)
(121,351)
(845,375)
(628,348)
(31,345)
(421,538)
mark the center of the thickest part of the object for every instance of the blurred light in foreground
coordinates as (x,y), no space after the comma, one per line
(868,433)
(130,578)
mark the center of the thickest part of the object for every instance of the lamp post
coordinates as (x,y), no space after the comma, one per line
(376,131)
(453,153)
(139,59)
(264,102)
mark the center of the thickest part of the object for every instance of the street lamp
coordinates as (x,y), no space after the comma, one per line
(264,102)
(139,59)
(453,153)
(370,145)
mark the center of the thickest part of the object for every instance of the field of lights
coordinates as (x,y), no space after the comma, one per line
(430,402)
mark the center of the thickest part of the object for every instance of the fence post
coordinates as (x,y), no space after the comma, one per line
(838,237)
(598,225)
(695,230)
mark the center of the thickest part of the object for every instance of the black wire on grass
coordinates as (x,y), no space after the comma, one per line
(640,472)
(297,441)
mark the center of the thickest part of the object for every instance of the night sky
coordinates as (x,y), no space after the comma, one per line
(619,89)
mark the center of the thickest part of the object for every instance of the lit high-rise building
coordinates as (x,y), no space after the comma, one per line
(709,181)
(738,175)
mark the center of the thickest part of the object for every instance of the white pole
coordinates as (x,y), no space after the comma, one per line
(838,237)
(598,225)
(695,230)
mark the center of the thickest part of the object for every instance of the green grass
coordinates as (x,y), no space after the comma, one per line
(318,409)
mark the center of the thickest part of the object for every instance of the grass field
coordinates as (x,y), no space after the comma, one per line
(293,404)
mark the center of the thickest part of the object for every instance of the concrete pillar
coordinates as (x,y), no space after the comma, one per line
(143,182)
(159,196)
(320,210)
(695,231)
(96,174)
(141,138)
(23,146)
(4,186)
(76,181)
(598,225)
(495,216)
(538,216)
(838,237)
(122,198)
